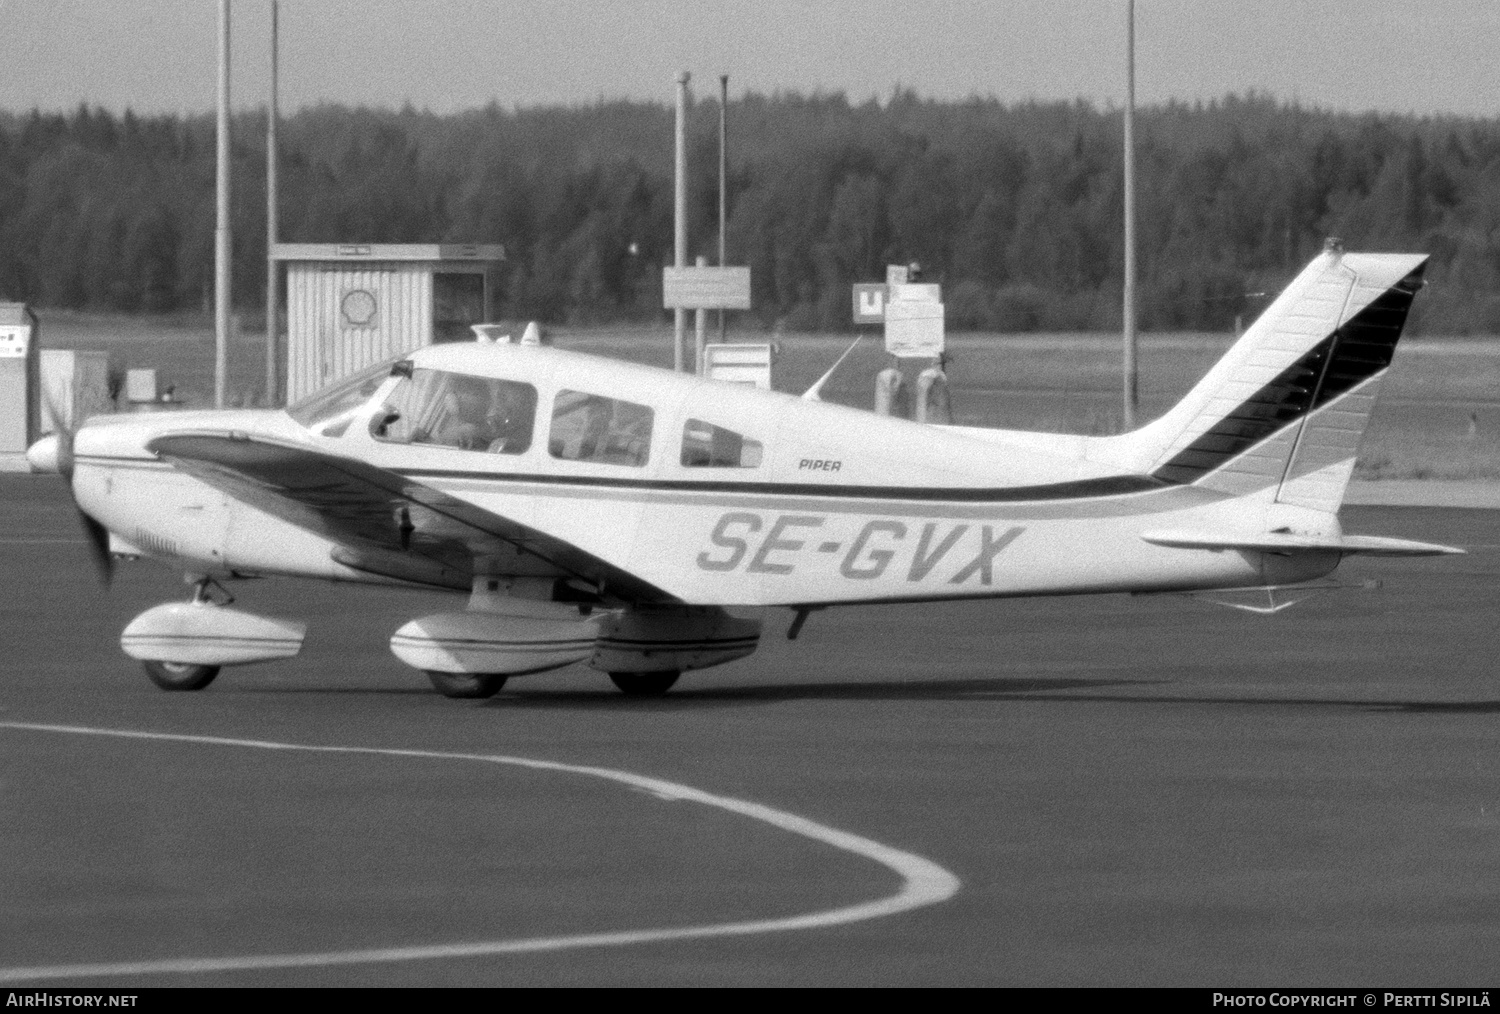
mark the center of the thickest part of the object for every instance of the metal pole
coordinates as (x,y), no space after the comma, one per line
(271,286)
(221,228)
(700,328)
(1131,383)
(723,184)
(679,325)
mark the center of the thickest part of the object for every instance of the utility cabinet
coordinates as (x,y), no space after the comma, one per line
(20,373)
(351,305)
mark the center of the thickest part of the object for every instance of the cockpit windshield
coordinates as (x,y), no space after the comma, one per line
(458,410)
(328,411)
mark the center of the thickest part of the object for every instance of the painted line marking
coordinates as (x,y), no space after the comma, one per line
(923,882)
(42,542)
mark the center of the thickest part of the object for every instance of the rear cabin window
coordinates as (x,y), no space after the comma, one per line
(705,445)
(591,427)
(457,410)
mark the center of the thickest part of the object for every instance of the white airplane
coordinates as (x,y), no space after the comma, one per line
(593,510)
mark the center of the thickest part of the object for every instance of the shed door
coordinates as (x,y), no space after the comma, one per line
(457,302)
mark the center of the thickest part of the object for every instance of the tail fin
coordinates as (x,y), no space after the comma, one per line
(1280,416)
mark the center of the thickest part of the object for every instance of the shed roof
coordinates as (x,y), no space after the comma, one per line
(388,252)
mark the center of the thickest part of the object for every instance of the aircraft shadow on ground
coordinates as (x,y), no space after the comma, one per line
(1069,690)
(998,690)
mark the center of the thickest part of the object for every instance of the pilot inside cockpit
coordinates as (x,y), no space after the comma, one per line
(461,411)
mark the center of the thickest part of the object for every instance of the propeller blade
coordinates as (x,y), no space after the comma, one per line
(61,459)
(54,453)
(99,548)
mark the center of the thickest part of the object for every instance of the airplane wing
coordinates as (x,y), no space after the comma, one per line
(385,523)
(1288,543)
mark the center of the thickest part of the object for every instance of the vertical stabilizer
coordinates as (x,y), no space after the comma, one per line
(1280,416)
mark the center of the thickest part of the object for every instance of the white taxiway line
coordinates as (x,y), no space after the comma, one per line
(923,882)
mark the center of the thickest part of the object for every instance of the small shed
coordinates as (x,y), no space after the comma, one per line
(350,305)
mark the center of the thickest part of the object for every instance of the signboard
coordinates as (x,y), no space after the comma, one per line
(15,339)
(914,321)
(914,329)
(706,288)
(896,274)
(926,292)
(738,364)
(869,303)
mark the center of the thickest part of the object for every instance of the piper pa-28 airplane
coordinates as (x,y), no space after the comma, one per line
(593,510)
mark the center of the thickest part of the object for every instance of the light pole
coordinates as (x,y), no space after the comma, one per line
(221,226)
(271,328)
(723,183)
(1131,383)
(679,315)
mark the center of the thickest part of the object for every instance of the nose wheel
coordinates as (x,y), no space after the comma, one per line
(180,675)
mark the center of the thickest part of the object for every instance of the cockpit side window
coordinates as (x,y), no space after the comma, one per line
(591,427)
(458,410)
(705,445)
(329,411)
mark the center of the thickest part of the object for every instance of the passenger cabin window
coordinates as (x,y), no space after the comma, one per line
(705,445)
(329,411)
(458,410)
(591,427)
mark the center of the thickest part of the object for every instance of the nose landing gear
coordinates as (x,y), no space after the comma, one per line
(179,675)
(183,645)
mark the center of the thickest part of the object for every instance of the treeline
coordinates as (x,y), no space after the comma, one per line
(1016,209)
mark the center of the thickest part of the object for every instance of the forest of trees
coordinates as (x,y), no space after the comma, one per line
(1016,209)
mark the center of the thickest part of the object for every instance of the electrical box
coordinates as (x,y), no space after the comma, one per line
(141,387)
(20,345)
(739,364)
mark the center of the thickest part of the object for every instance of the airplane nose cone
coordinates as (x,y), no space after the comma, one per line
(45,454)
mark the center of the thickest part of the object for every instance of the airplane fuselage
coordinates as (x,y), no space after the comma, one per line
(835,505)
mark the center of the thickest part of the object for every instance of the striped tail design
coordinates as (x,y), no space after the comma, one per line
(1280,416)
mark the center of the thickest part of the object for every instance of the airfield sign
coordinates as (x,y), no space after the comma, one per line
(869,303)
(706,288)
(912,314)
(914,327)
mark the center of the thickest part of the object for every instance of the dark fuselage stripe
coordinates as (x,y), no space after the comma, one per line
(1114,485)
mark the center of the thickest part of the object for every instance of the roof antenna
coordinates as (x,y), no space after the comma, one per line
(812,393)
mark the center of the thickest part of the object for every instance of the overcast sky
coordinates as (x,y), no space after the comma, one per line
(1438,56)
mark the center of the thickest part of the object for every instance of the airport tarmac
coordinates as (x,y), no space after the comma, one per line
(1124,791)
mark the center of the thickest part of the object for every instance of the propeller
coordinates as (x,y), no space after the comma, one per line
(54,453)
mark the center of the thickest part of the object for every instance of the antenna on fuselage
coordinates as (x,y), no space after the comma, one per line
(812,393)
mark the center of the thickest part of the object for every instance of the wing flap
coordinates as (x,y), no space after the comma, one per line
(1290,542)
(387,523)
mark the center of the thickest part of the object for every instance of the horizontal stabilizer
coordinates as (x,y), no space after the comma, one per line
(1289,542)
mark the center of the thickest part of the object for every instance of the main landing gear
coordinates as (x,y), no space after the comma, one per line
(473,686)
(645,684)
(467,685)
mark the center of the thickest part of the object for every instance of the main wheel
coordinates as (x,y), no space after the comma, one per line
(645,684)
(180,675)
(466,684)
